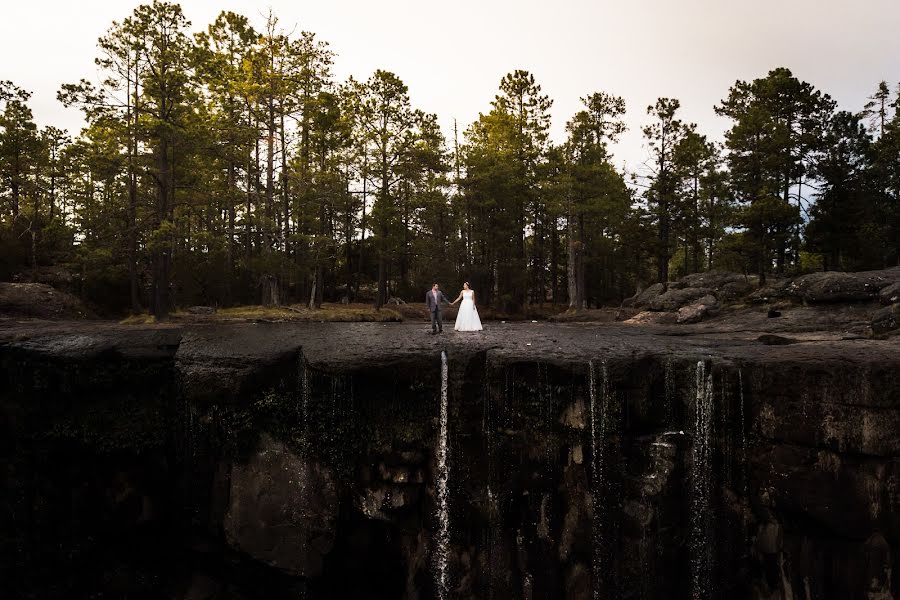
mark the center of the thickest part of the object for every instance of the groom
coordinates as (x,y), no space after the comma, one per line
(433,301)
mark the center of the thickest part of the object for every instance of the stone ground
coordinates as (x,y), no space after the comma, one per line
(802,333)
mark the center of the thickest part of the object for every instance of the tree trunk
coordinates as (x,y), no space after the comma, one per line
(229,276)
(581,297)
(271,295)
(285,198)
(663,255)
(574,247)
(382,282)
(313,303)
(554,262)
(383,232)
(133,283)
(161,250)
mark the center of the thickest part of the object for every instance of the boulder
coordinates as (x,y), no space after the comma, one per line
(652,318)
(886,319)
(836,286)
(643,298)
(696,311)
(202,310)
(40,301)
(56,276)
(890,294)
(714,279)
(674,299)
(774,288)
(733,290)
(725,284)
(282,509)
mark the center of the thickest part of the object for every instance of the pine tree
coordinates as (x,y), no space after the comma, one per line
(663,137)
(778,127)
(590,174)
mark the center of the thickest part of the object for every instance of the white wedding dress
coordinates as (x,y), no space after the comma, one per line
(467,317)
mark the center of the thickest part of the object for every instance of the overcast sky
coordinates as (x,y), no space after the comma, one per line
(453,54)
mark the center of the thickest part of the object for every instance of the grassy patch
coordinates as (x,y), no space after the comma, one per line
(141,319)
(328,312)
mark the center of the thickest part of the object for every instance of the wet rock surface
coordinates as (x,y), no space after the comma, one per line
(281,509)
(288,460)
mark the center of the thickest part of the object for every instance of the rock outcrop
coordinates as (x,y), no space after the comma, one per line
(269,461)
(886,319)
(39,300)
(696,311)
(837,286)
(673,299)
(890,294)
(693,297)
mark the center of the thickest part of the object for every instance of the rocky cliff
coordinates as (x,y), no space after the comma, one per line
(582,461)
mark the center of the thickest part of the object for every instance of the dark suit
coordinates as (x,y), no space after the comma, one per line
(434,307)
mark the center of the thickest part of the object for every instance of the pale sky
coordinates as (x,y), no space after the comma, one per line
(453,54)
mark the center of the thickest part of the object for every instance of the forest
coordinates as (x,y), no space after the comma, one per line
(229,166)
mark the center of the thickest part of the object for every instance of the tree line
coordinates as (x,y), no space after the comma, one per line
(230,166)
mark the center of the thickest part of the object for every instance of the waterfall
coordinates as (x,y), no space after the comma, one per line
(701,485)
(303,414)
(442,551)
(669,394)
(304,387)
(744,468)
(744,471)
(598,408)
(189,454)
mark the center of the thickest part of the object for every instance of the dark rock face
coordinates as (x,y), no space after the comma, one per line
(282,509)
(273,462)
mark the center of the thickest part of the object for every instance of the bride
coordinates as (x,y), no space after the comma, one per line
(467,317)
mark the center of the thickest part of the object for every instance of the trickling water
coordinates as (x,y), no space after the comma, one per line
(303,414)
(744,469)
(598,406)
(701,484)
(442,550)
(304,387)
(644,585)
(669,393)
(189,452)
(743,434)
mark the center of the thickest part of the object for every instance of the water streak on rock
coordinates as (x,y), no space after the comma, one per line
(304,387)
(669,393)
(701,485)
(743,423)
(599,401)
(442,550)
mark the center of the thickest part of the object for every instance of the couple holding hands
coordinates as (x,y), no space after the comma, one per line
(466,319)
